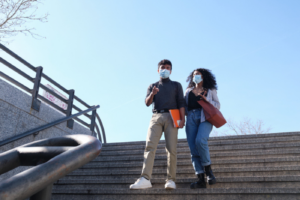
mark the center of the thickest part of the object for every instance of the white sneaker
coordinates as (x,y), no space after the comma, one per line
(170,185)
(141,183)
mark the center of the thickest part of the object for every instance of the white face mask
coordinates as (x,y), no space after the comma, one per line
(197,79)
(164,73)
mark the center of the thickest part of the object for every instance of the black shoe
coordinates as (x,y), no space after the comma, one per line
(200,183)
(209,175)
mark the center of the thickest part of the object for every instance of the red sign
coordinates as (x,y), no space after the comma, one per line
(53,99)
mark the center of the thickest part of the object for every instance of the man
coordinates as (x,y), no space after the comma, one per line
(164,94)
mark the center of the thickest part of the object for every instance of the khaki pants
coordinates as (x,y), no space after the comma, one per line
(161,122)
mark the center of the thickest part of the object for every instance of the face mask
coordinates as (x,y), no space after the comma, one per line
(197,79)
(164,73)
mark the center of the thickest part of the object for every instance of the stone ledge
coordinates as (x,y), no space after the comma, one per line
(20,100)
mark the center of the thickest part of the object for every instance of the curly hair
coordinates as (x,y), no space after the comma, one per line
(209,80)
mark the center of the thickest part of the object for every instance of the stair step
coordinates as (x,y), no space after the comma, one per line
(212,143)
(216,163)
(186,175)
(179,194)
(223,138)
(181,173)
(265,166)
(226,155)
(222,182)
(227,148)
(223,169)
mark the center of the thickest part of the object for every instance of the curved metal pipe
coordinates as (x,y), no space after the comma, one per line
(25,184)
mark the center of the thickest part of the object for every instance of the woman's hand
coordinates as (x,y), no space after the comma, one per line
(203,96)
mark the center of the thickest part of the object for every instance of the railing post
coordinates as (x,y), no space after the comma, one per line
(35,104)
(93,121)
(70,122)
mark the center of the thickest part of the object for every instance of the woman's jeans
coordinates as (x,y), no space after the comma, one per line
(197,134)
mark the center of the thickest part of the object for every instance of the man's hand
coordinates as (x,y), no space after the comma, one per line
(154,90)
(149,99)
(182,116)
(181,124)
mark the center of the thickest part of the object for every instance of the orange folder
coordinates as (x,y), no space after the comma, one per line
(175,114)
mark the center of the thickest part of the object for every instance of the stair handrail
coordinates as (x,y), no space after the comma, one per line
(36,96)
(53,158)
(46,126)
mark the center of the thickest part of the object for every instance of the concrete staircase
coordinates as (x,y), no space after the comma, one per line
(265,166)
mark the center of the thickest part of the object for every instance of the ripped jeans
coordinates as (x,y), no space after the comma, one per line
(197,134)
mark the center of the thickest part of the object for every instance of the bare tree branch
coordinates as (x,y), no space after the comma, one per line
(15,14)
(245,127)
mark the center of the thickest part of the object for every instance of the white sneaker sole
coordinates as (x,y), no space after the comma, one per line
(140,188)
(170,188)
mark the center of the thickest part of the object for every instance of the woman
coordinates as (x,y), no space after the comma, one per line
(202,85)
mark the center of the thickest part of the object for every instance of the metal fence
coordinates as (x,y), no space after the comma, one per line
(36,97)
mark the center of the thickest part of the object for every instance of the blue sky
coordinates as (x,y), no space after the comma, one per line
(108,52)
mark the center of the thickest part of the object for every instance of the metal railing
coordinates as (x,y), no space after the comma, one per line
(41,128)
(53,158)
(35,104)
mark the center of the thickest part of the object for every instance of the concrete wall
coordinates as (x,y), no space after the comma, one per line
(16,117)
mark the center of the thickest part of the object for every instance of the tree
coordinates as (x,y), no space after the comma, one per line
(15,14)
(245,127)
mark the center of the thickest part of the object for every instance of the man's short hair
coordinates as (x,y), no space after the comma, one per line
(165,62)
